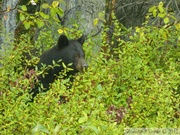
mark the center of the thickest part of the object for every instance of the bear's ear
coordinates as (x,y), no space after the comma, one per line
(82,39)
(63,41)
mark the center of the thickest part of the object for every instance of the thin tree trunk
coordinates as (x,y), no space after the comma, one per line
(8,22)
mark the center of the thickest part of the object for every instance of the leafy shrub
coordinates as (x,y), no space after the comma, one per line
(137,86)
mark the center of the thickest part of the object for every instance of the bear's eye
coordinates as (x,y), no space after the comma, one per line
(77,56)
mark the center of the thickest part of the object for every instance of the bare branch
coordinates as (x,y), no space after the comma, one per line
(8,10)
(99,30)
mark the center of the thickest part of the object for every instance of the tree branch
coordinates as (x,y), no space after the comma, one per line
(8,10)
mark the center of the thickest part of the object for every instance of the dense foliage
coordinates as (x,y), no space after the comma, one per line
(135,85)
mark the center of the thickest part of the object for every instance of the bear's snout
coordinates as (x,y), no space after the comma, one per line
(85,66)
(81,65)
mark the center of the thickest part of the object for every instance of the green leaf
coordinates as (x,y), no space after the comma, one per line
(166,20)
(55,4)
(60,31)
(99,87)
(155,12)
(95,129)
(162,15)
(26,24)
(82,119)
(96,21)
(24,8)
(60,12)
(22,17)
(64,66)
(101,16)
(53,12)
(57,129)
(40,127)
(152,9)
(45,16)
(45,6)
(160,7)
(40,23)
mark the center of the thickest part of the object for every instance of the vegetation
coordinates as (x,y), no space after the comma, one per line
(134,85)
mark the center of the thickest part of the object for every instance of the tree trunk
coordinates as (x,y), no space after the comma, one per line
(8,22)
(83,12)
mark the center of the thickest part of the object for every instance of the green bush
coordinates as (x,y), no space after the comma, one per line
(135,86)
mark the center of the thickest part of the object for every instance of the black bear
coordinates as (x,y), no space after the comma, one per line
(66,51)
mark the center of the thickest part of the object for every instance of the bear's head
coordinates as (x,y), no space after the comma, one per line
(72,52)
(68,51)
